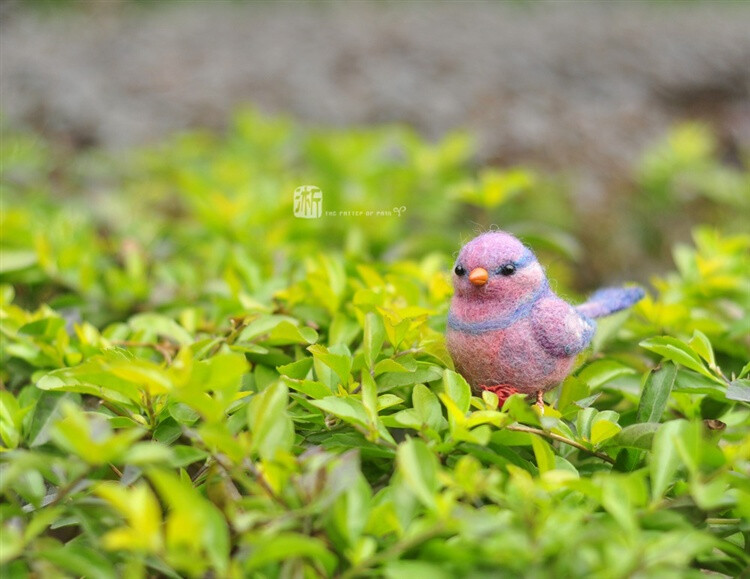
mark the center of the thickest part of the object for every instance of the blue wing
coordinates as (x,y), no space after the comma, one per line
(560,329)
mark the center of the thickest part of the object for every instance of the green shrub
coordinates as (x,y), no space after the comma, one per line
(196,384)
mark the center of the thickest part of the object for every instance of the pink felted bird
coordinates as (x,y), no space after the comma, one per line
(508,331)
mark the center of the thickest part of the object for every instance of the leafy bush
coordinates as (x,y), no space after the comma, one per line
(196,384)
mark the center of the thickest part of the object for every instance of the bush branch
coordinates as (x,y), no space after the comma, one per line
(557,437)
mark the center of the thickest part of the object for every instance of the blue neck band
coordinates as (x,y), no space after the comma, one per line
(503,322)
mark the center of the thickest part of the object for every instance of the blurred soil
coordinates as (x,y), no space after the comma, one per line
(576,87)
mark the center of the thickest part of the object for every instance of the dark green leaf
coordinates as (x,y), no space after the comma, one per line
(637,436)
(655,394)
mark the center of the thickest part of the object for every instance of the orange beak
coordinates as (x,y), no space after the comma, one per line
(478,276)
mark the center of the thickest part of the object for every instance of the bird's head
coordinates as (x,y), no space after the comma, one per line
(496,266)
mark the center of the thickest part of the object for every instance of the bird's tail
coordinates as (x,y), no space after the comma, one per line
(609,300)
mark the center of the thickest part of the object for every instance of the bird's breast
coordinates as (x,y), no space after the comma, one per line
(510,356)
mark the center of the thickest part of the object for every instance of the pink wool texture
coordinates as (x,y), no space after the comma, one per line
(507,330)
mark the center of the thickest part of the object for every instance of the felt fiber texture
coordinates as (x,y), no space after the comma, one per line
(514,332)
(609,300)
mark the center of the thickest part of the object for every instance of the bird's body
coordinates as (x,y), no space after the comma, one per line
(507,330)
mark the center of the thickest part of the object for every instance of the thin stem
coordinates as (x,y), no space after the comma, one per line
(230,338)
(264,483)
(64,491)
(407,352)
(150,411)
(557,437)
(396,355)
(116,410)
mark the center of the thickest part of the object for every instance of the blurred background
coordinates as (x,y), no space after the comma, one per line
(602,132)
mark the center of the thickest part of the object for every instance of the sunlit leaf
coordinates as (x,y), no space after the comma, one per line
(677,351)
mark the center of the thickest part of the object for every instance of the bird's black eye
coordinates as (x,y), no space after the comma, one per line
(507,269)
(460,270)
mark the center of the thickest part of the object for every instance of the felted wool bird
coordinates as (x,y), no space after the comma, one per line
(507,330)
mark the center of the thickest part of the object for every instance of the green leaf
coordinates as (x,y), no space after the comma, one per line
(494,417)
(91,378)
(690,382)
(572,390)
(352,507)
(616,499)
(144,454)
(407,418)
(193,521)
(141,509)
(404,364)
(347,409)
(374,335)
(655,393)
(427,406)
(185,455)
(342,330)
(311,388)
(183,414)
(665,458)
(89,436)
(46,327)
(677,351)
(424,372)
(146,375)
(168,431)
(602,430)
(637,436)
(702,345)
(41,521)
(288,333)
(269,422)
(79,560)
(11,543)
(370,396)
(457,389)
(545,458)
(341,364)
(405,568)
(261,326)
(16,260)
(419,467)
(158,325)
(710,495)
(221,374)
(600,372)
(739,390)
(287,546)
(584,420)
(298,370)
(519,410)
(388,400)
(11,417)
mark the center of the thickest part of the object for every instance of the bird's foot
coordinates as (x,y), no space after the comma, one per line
(503,392)
(540,400)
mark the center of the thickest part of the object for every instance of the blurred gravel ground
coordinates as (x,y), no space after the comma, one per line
(581,87)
